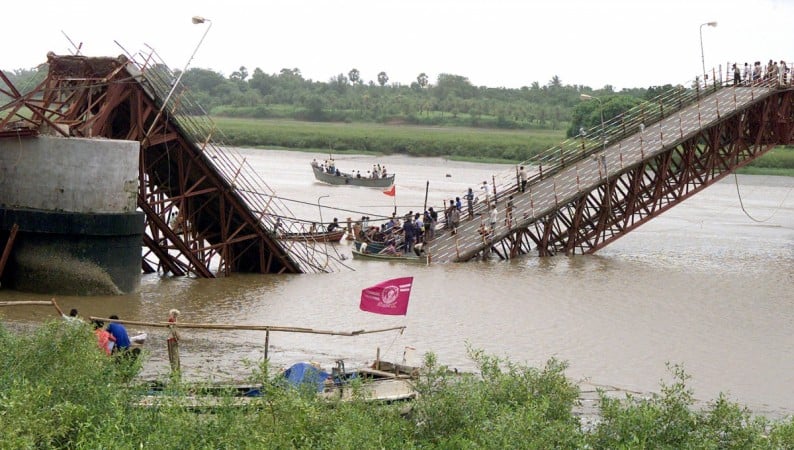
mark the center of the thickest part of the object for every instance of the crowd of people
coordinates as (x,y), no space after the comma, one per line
(760,73)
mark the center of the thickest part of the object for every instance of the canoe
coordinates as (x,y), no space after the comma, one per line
(347,179)
(411,258)
(318,236)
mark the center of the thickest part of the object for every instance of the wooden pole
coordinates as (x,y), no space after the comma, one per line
(427,188)
(220,326)
(267,342)
(27,303)
(9,245)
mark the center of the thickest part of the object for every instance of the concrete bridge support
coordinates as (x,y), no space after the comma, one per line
(74,202)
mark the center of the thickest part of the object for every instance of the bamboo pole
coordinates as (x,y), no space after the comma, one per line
(27,303)
(243,327)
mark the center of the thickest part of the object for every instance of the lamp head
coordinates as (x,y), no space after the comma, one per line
(199,19)
(712,24)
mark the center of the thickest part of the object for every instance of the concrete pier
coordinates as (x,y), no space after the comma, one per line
(75,202)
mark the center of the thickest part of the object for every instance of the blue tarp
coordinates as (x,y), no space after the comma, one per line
(301,373)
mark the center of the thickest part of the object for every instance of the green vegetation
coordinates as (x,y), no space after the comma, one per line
(57,390)
(449,118)
(474,144)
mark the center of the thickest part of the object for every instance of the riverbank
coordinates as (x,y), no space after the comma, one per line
(453,143)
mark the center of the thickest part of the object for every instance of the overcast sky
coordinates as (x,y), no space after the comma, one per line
(495,43)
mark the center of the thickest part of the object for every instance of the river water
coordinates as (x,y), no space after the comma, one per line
(703,286)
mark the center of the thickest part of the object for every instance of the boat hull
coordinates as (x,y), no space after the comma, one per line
(326,236)
(403,258)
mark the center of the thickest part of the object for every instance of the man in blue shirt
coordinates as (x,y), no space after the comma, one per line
(120,333)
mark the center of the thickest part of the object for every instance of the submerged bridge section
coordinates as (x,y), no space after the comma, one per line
(207,212)
(590,191)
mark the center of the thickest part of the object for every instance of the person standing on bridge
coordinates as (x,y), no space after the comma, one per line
(470,203)
(486,193)
(522,175)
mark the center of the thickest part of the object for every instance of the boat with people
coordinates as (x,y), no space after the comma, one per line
(332,175)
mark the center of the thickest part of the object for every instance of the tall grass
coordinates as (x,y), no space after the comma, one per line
(58,390)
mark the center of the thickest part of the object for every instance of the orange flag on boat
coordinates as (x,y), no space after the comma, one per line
(390,191)
(389,297)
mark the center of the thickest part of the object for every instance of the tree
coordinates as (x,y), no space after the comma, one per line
(383,79)
(354,75)
(422,79)
(240,74)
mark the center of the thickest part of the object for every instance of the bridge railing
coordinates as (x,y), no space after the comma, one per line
(596,139)
(195,124)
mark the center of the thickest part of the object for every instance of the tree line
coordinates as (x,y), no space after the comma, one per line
(451,101)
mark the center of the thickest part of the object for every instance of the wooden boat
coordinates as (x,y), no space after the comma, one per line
(317,236)
(347,179)
(339,385)
(369,247)
(410,258)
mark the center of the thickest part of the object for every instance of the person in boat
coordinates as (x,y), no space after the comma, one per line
(315,163)
(390,249)
(333,225)
(336,172)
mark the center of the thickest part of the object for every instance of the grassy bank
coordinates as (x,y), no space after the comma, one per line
(470,143)
(461,143)
(57,390)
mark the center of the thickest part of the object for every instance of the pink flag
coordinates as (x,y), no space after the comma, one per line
(389,297)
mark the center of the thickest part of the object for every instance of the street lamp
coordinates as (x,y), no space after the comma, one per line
(702,57)
(196,20)
(586,97)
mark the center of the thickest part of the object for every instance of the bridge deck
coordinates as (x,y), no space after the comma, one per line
(544,194)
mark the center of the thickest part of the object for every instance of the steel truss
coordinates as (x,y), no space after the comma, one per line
(641,192)
(204,214)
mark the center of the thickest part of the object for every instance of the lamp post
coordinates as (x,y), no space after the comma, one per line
(702,56)
(196,20)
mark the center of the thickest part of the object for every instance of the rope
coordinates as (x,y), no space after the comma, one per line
(741,203)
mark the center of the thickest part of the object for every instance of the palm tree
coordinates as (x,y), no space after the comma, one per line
(383,79)
(354,75)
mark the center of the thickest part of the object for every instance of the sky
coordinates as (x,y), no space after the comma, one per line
(493,43)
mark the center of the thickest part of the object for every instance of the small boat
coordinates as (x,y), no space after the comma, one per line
(341,384)
(316,236)
(365,383)
(369,247)
(409,258)
(348,179)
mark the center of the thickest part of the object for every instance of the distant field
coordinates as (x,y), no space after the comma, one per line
(477,144)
